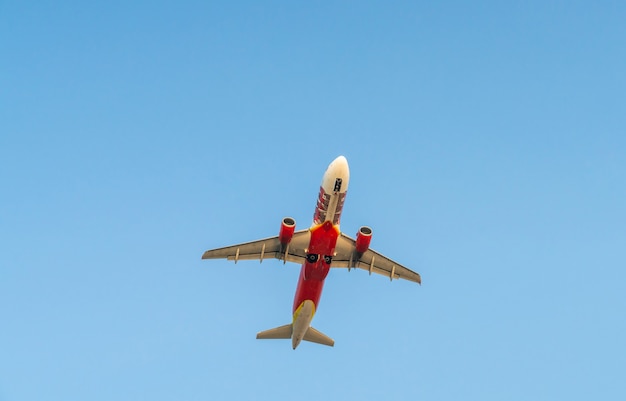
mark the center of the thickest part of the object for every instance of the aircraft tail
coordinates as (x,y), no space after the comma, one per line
(316,336)
(286,331)
(276,333)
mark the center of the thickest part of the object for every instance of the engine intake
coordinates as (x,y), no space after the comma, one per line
(287,227)
(363,239)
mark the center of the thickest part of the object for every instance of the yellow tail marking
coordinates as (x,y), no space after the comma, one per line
(299,309)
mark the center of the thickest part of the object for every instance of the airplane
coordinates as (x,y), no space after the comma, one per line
(318,248)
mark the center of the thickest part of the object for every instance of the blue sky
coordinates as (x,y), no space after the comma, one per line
(487,147)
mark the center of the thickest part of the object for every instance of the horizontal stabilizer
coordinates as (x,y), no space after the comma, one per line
(316,336)
(275,333)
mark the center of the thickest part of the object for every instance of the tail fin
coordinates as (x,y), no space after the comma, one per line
(316,336)
(275,333)
(284,332)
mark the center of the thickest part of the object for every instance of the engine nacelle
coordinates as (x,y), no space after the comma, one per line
(363,239)
(287,227)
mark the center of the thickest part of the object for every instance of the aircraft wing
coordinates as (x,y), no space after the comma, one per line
(264,249)
(370,260)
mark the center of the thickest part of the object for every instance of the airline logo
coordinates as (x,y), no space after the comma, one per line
(323,201)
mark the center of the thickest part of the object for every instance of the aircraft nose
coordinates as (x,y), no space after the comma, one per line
(340,163)
(337,176)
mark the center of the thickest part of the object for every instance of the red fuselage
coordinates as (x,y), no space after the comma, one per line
(324,234)
(315,269)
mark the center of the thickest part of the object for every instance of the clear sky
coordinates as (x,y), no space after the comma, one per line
(487,147)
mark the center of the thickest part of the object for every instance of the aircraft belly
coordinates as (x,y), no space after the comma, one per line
(307,290)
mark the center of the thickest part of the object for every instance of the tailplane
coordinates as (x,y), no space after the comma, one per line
(316,336)
(286,331)
(276,333)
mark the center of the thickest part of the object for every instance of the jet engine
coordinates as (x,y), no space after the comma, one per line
(363,239)
(287,227)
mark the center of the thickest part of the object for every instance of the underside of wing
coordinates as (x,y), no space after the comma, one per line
(268,248)
(370,260)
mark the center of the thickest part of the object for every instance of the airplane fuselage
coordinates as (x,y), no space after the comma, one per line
(324,233)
